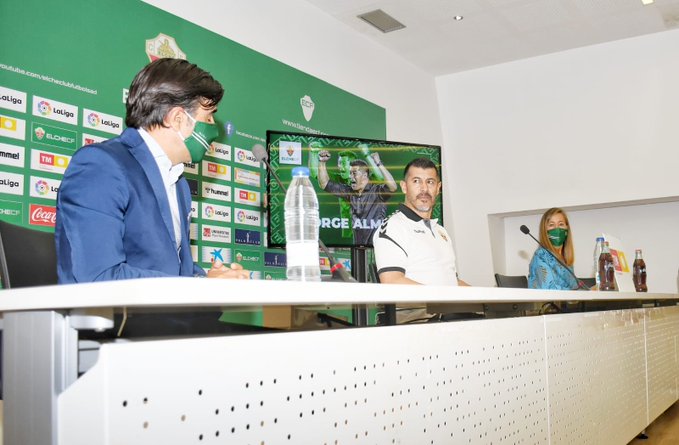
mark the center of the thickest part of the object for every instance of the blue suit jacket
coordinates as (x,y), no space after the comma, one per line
(113,216)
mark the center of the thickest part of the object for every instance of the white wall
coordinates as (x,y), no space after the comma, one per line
(584,128)
(300,35)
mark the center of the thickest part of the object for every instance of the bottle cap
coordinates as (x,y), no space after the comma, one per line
(300,171)
(599,238)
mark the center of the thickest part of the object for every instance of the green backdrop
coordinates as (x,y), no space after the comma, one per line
(64,72)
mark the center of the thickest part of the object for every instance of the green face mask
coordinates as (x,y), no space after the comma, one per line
(557,236)
(198,143)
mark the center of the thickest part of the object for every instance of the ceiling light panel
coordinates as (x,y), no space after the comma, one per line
(382,21)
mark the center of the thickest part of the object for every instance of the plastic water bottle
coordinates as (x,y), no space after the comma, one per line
(598,248)
(301,228)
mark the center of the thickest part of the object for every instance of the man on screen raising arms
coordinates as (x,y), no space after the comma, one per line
(344,158)
(123,207)
(411,248)
(367,200)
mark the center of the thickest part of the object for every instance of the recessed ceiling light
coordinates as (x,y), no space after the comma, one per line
(646,2)
(457,18)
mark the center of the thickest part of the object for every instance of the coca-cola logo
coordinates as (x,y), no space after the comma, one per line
(43,215)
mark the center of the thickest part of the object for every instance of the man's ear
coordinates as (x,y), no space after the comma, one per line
(403,187)
(174,118)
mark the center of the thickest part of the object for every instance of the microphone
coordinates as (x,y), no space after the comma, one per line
(339,273)
(526,231)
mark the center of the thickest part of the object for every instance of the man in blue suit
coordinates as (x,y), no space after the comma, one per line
(123,207)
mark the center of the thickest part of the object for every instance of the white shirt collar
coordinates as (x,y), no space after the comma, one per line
(169,172)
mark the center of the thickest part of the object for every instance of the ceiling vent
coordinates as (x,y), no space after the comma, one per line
(382,21)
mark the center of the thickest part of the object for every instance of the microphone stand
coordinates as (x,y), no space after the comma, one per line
(337,270)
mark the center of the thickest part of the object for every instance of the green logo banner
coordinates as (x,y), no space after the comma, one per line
(71,91)
(11,211)
(250,259)
(54,136)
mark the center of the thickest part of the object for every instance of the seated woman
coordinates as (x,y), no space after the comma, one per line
(545,272)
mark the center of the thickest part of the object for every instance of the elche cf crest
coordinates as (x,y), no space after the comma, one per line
(307,107)
(163,46)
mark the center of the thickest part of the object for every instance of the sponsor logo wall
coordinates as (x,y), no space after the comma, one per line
(46,115)
(38,141)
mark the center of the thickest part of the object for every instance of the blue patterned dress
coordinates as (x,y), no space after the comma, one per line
(546,273)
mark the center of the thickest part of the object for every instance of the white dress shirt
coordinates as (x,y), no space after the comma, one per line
(170,174)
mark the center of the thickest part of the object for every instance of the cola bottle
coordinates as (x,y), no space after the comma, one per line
(639,272)
(606,269)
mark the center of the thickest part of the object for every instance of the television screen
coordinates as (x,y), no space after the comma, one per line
(357,182)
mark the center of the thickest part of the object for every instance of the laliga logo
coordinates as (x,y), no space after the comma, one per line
(307,107)
(39,133)
(41,187)
(93,119)
(241,155)
(163,46)
(209,211)
(239,257)
(241,215)
(44,107)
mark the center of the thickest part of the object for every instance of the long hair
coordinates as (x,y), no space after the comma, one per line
(167,83)
(568,251)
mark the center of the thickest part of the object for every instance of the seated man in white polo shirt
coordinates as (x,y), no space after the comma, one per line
(411,248)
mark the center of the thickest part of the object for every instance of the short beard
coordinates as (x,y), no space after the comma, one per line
(423,208)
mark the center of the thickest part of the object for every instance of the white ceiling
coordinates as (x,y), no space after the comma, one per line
(498,31)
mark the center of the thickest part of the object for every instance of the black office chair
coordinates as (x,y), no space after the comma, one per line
(388,317)
(27,257)
(517,281)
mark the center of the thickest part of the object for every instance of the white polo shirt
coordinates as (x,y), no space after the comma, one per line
(419,248)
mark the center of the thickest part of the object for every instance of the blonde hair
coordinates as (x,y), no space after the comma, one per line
(568,251)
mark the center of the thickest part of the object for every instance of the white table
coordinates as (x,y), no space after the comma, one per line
(597,377)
